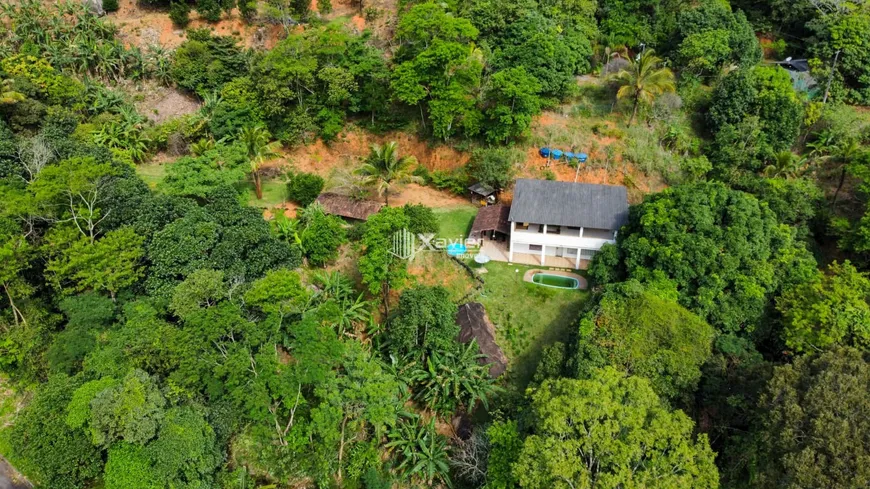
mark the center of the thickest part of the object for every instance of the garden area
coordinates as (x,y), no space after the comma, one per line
(527,316)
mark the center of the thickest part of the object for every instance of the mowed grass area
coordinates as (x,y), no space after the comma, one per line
(274,190)
(274,193)
(455,222)
(437,268)
(527,316)
(151,173)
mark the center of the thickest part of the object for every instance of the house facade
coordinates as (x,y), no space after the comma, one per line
(566,220)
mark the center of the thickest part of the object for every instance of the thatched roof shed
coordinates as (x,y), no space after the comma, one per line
(474,324)
(344,206)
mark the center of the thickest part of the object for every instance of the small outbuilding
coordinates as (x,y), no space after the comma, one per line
(348,207)
(483,193)
(491,222)
(475,324)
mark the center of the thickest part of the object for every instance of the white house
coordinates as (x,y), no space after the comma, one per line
(564,219)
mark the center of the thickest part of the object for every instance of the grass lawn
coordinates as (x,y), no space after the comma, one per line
(455,222)
(527,317)
(274,193)
(436,268)
(151,173)
(274,190)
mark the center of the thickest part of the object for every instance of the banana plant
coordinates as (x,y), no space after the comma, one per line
(447,380)
(420,453)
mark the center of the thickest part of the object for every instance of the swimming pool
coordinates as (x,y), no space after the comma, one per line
(557,281)
(456,249)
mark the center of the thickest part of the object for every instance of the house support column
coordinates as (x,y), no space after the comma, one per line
(577,264)
(544,247)
(511,243)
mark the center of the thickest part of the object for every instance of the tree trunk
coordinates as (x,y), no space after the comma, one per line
(16,313)
(633,112)
(839,186)
(258,188)
(385,289)
(341,449)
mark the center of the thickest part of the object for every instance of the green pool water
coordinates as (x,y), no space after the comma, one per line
(557,281)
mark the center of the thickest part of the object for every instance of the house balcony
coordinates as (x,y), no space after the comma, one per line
(564,239)
(498,251)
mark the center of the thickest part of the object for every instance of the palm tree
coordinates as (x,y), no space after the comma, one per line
(785,164)
(643,80)
(843,155)
(259,149)
(384,169)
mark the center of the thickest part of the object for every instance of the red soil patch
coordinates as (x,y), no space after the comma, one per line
(551,119)
(428,196)
(352,147)
(358,22)
(289,209)
(145,27)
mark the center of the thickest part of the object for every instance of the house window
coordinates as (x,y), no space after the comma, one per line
(587,254)
(571,252)
(523,226)
(597,233)
(551,229)
(540,228)
(535,247)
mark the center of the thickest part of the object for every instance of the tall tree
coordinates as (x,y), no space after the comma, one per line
(259,149)
(829,310)
(384,169)
(643,331)
(643,80)
(724,250)
(815,422)
(610,431)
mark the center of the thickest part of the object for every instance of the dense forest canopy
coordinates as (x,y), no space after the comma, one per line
(178,332)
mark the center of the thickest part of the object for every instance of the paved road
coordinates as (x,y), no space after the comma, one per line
(9,477)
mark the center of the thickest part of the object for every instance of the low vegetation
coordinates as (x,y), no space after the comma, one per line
(177,310)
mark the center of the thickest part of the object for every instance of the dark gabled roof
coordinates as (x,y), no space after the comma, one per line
(475,324)
(491,218)
(344,206)
(482,189)
(800,65)
(569,204)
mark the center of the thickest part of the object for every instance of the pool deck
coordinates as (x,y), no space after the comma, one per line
(583,285)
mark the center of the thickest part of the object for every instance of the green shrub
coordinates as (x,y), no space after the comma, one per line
(209,10)
(321,235)
(179,13)
(304,188)
(248,9)
(204,63)
(422,219)
(110,5)
(455,181)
